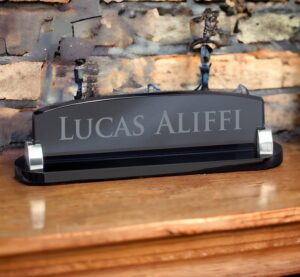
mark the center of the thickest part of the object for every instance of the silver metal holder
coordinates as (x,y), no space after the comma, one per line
(34,156)
(265,146)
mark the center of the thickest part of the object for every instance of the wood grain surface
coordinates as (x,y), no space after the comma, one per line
(278,262)
(187,222)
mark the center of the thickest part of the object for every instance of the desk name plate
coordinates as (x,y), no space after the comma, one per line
(147,135)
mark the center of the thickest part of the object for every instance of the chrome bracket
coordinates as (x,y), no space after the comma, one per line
(34,156)
(265,143)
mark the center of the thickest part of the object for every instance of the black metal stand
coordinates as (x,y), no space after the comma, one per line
(147,163)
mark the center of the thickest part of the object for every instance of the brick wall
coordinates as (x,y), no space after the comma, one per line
(139,42)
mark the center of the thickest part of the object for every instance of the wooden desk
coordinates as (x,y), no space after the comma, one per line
(196,225)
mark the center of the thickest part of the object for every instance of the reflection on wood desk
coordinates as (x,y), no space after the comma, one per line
(194,225)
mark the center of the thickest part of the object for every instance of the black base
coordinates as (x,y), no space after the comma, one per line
(146,164)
